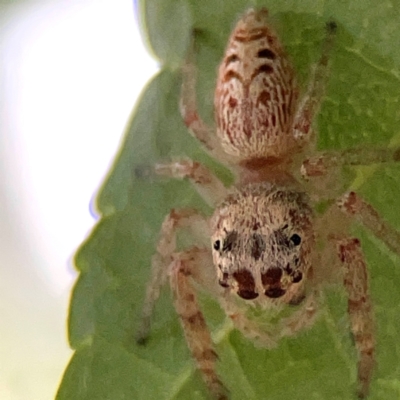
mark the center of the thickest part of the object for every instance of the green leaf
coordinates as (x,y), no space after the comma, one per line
(361,106)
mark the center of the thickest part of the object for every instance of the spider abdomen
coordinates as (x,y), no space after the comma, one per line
(256,94)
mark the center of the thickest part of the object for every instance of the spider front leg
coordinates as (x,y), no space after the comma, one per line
(174,221)
(359,308)
(184,269)
(194,264)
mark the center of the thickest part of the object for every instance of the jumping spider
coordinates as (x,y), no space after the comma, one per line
(269,248)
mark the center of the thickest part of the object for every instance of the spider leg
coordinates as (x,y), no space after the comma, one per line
(311,101)
(189,112)
(352,204)
(324,162)
(175,220)
(210,188)
(184,269)
(359,308)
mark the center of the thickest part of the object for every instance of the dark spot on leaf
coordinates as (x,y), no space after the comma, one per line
(281,237)
(142,340)
(331,26)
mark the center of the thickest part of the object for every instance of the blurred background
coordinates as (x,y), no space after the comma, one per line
(70,73)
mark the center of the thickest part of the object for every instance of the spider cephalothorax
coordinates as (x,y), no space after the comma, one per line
(262,242)
(263,231)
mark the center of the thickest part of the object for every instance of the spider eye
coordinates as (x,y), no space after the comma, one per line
(297,277)
(295,239)
(217,245)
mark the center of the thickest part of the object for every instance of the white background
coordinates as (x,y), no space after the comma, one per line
(70,74)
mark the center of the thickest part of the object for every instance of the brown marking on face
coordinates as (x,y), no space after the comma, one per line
(246,283)
(257,246)
(288,269)
(281,238)
(230,241)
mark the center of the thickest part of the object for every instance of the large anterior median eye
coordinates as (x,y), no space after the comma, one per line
(217,245)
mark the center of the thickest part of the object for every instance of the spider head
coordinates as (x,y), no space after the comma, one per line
(262,243)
